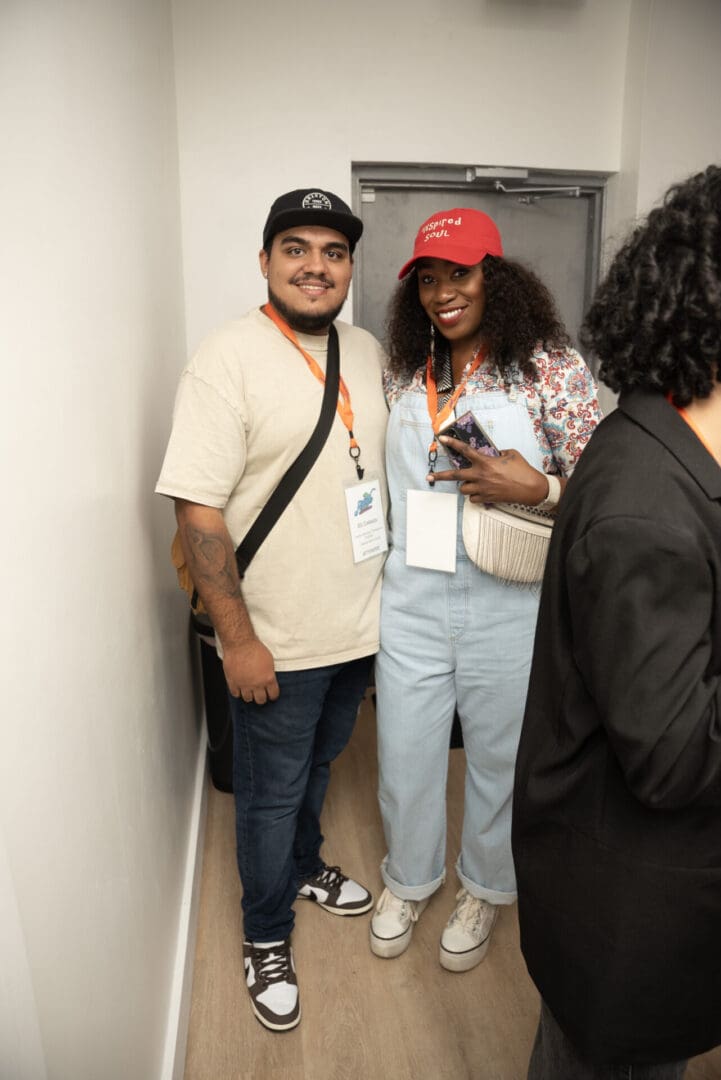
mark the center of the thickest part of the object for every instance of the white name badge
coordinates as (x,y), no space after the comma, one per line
(366,519)
(431,530)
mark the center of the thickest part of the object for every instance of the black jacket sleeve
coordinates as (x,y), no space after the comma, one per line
(641,598)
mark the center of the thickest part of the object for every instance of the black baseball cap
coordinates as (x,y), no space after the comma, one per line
(311,206)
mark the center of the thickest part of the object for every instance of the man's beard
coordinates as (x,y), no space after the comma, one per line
(301,320)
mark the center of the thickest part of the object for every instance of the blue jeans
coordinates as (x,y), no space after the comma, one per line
(554,1057)
(281,767)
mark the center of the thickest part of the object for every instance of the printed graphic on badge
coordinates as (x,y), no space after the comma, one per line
(468,430)
(365,503)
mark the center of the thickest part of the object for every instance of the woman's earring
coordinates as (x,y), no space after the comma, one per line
(433,343)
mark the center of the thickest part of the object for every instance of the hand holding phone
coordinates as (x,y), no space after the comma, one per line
(467,429)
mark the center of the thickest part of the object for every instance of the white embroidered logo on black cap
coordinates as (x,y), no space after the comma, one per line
(316,200)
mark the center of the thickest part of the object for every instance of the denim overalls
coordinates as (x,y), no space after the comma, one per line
(449,640)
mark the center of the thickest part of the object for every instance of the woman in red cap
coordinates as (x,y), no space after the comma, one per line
(469,331)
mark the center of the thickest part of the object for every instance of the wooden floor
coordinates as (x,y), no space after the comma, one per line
(363,1018)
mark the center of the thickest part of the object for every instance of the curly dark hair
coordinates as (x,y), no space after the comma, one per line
(519,313)
(655,321)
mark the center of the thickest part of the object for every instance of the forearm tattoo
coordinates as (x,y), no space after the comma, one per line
(212,560)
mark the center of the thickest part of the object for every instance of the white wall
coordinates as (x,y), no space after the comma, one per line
(100,738)
(672,105)
(671,125)
(681,128)
(278,95)
(272,97)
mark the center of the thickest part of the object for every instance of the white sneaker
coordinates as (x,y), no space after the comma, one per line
(392,924)
(272,983)
(467,935)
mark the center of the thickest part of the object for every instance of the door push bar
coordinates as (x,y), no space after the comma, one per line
(530,195)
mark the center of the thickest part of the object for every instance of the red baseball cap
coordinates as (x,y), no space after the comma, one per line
(461,236)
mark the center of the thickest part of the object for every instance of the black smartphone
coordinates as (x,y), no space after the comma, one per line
(468,430)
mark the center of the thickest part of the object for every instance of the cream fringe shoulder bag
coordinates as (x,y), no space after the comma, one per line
(507,540)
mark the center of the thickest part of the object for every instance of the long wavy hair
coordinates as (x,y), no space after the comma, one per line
(519,314)
(655,321)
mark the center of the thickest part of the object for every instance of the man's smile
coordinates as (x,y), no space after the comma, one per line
(312,286)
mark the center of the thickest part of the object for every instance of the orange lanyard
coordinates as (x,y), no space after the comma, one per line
(439,418)
(343,408)
(684,416)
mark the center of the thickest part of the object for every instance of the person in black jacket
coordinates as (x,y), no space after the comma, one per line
(617,805)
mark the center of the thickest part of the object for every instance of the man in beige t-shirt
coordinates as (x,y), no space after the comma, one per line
(298,637)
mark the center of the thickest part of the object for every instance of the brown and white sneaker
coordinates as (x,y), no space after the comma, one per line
(335,892)
(272,984)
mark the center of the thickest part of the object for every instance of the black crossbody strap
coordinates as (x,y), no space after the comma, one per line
(297,472)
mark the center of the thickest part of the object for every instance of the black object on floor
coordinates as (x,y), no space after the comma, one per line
(456,733)
(220,723)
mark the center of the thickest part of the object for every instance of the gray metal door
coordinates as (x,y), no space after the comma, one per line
(550,222)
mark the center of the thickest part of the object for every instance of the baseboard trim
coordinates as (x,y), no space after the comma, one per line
(181,990)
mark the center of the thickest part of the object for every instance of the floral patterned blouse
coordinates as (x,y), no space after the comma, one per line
(561,399)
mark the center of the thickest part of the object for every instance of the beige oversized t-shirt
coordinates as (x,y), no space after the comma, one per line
(246,405)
